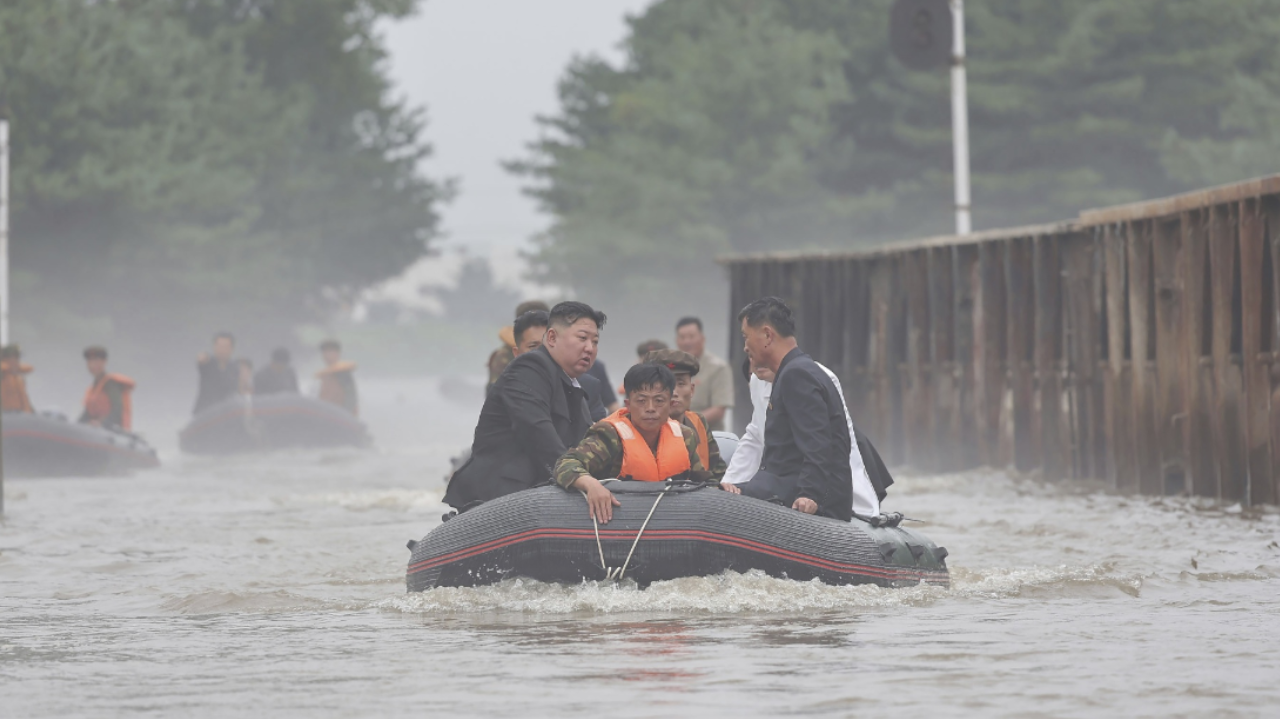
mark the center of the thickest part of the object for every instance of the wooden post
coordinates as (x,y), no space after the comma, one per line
(1142,359)
(1257,380)
(967,341)
(1118,388)
(1082,330)
(878,356)
(1229,445)
(989,350)
(1172,378)
(1199,427)
(946,398)
(1272,210)
(1019,279)
(857,335)
(916,396)
(1054,453)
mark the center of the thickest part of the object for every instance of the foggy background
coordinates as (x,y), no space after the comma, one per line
(399,174)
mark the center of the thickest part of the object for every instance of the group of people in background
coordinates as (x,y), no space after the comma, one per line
(222,376)
(107,403)
(550,414)
(109,400)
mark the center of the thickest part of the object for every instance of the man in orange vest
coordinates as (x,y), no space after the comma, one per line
(13,385)
(108,403)
(684,367)
(337,379)
(638,442)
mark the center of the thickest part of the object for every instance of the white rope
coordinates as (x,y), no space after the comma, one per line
(619,572)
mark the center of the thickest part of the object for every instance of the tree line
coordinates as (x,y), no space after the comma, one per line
(184,165)
(755,125)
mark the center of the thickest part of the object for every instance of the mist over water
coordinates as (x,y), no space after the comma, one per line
(274,585)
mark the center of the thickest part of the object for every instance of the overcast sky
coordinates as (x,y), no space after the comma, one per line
(484,69)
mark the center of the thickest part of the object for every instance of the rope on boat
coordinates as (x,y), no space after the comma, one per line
(619,572)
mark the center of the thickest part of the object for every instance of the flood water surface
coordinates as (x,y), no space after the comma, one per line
(274,585)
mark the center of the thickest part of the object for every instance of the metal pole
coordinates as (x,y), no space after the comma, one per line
(4,270)
(960,119)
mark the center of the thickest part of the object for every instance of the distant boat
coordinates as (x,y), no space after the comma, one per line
(275,421)
(46,444)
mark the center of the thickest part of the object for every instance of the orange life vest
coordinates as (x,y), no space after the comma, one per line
(639,461)
(704,447)
(13,388)
(97,404)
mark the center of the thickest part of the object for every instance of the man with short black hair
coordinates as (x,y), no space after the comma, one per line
(806,437)
(529,330)
(278,377)
(533,413)
(639,442)
(109,401)
(713,394)
(219,375)
(501,357)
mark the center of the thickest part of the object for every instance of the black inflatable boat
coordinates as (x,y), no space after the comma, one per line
(693,530)
(48,445)
(275,421)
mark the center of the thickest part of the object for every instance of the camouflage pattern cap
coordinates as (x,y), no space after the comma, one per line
(675,360)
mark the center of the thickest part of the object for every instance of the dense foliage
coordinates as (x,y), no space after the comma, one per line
(182,165)
(747,125)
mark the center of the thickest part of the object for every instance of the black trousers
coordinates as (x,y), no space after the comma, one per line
(770,487)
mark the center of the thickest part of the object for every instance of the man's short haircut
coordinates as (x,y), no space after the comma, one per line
(770,311)
(688,321)
(530,306)
(648,346)
(648,375)
(330,345)
(12,350)
(95,352)
(532,318)
(224,335)
(566,313)
(281,355)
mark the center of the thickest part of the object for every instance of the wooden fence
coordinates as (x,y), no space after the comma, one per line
(1139,344)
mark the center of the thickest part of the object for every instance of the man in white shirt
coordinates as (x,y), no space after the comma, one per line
(746,458)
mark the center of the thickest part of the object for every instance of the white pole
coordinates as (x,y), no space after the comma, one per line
(960,119)
(4,232)
(4,264)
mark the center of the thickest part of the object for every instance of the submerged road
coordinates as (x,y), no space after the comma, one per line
(274,586)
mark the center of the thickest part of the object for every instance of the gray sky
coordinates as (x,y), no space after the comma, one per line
(484,69)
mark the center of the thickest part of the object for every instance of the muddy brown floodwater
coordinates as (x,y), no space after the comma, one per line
(274,586)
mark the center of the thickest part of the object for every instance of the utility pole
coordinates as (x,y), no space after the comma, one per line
(929,34)
(960,118)
(4,270)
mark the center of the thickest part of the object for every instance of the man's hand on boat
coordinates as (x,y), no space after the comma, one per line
(806,505)
(730,488)
(600,501)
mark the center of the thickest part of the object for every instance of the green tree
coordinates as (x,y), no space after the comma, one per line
(782,124)
(183,166)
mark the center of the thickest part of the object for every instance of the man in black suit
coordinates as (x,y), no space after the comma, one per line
(533,413)
(806,437)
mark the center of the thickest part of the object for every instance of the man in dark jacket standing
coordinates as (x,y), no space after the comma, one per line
(806,438)
(533,412)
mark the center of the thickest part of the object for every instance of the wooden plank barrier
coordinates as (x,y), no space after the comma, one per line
(1138,345)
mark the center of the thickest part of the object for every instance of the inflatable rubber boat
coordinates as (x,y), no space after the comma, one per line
(48,445)
(275,421)
(662,531)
